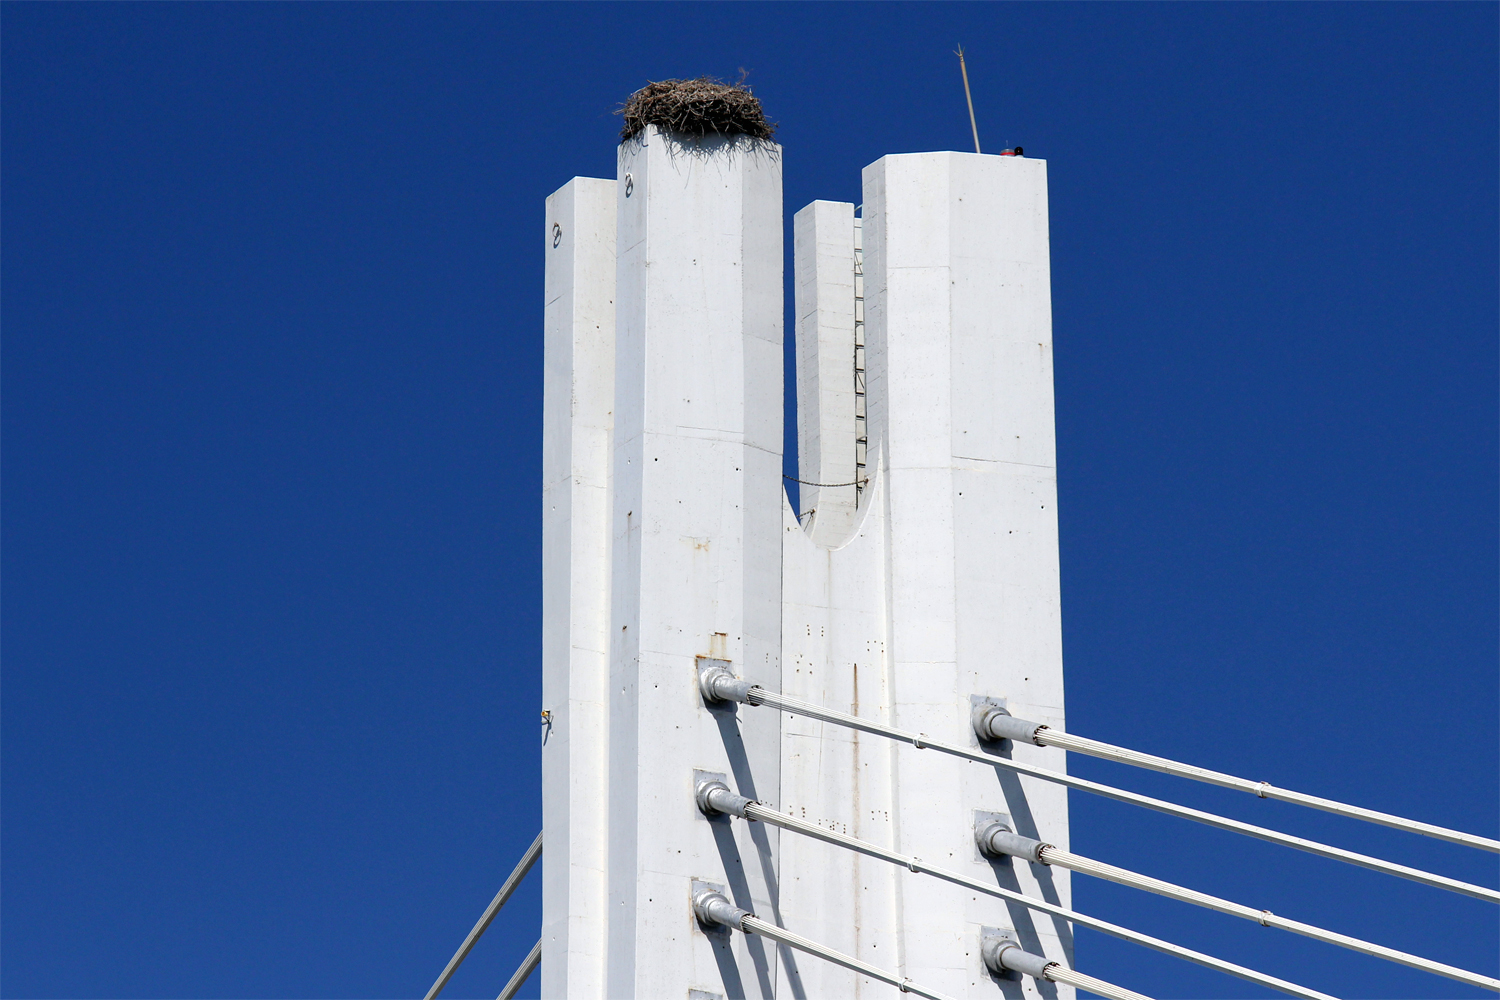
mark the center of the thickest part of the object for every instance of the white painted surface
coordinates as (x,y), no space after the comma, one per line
(578,403)
(696,558)
(824,240)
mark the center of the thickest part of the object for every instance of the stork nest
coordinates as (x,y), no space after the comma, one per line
(704,106)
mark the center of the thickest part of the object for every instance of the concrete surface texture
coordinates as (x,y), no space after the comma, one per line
(668,540)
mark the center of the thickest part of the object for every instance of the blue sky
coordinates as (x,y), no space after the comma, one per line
(272,418)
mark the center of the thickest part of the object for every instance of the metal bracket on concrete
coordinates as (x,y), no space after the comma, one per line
(990,941)
(982,819)
(717,685)
(699,777)
(976,703)
(696,889)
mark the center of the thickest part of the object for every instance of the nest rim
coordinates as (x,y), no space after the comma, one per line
(699,107)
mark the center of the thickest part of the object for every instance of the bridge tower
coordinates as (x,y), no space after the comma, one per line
(919,580)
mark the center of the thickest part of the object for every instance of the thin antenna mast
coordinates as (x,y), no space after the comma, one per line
(963,67)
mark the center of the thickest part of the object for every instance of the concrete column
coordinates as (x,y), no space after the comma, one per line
(578,418)
(696,557)
(833,637)
(960,364)
(834,654)
(824,240)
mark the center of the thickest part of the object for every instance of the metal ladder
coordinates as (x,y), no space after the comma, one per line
(861,423)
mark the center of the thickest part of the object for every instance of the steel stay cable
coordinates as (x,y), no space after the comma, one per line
(751,924)
(1047,736)
(1088,866)
(1059,973)
(760,696)
(755,925)
(523,972)
(517,874)
(713,908)
(766,814)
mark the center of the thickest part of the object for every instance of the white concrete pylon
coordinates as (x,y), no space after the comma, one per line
(696,550)
(939,586)
(960,333)
(578,405)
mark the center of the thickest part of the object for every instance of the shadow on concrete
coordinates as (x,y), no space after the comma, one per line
(722,940)
(744,783)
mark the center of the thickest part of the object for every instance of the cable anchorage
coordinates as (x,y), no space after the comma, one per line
(995,839)
(994,722)
(729,688)
(714,796)
(713,909)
